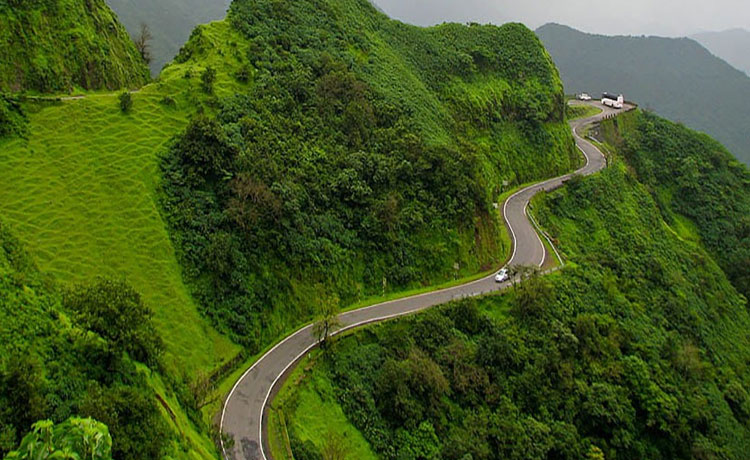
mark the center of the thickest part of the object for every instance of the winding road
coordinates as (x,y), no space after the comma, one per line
(244,413)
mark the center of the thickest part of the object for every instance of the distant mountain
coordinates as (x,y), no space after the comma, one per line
(731,45)
(677,78)
(170,21)
(55,45)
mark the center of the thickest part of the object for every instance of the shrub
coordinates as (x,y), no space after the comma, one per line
(207,80)
(126,102)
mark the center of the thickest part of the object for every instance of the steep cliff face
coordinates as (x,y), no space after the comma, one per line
(56,45)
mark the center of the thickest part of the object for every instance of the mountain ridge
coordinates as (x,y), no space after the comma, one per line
(677,78)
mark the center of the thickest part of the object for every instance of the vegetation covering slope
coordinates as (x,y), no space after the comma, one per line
(677,78)
(170,22)
(691,177)
(730,45)
(364,157)
(56,45)
(637,350)
(80,191)
(74,353)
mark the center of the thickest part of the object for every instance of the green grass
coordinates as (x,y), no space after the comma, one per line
(575,112)
(312,412)
(82,194)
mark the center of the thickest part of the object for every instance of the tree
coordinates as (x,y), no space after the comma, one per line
(327,320)
(115,311)
(75,438)
(143,43)
(207,80)
(126,101)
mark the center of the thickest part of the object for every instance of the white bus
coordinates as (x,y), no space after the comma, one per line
(610,100)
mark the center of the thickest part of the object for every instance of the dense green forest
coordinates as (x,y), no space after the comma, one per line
(675,77)
(691,176)
(56,45)
(638,349)
(80,351)
(364,157)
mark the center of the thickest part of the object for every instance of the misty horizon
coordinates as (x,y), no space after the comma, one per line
(670,18)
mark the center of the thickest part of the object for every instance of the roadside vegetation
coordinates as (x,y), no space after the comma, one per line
(637,349)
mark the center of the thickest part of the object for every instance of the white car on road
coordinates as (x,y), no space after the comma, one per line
(584,97)
(501,276)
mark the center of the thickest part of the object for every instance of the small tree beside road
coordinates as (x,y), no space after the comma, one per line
(327,320)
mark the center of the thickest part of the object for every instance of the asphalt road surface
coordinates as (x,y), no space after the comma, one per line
(244,414)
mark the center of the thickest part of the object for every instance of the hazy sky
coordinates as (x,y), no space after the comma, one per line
(610,17)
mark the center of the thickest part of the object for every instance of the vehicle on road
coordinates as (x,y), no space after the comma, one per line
(584,97)
(614,101)
(501,276)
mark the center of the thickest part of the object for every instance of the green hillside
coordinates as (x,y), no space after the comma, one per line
(703,192)
(81,193)
(364,158)
(58,45)
(85,194)
(74,353)
(677,78)
(637,349)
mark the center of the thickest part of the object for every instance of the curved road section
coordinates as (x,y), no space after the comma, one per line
(244,414)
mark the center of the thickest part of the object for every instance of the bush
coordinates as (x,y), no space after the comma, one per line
(12,117)
(114,310)
(126,101)
(208,78)
(168,101)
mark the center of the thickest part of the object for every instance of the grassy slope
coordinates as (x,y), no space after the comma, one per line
(86,172)
(81,193)
(701,189)
(170,21)
(56,45)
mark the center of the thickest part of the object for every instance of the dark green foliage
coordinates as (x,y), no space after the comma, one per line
(364,155)
(638,349)
(115,311)
(208,77)
(676,77)
(126,101)
(74,358)
(692,175)
(12,117)
(55,45)
(244,74)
